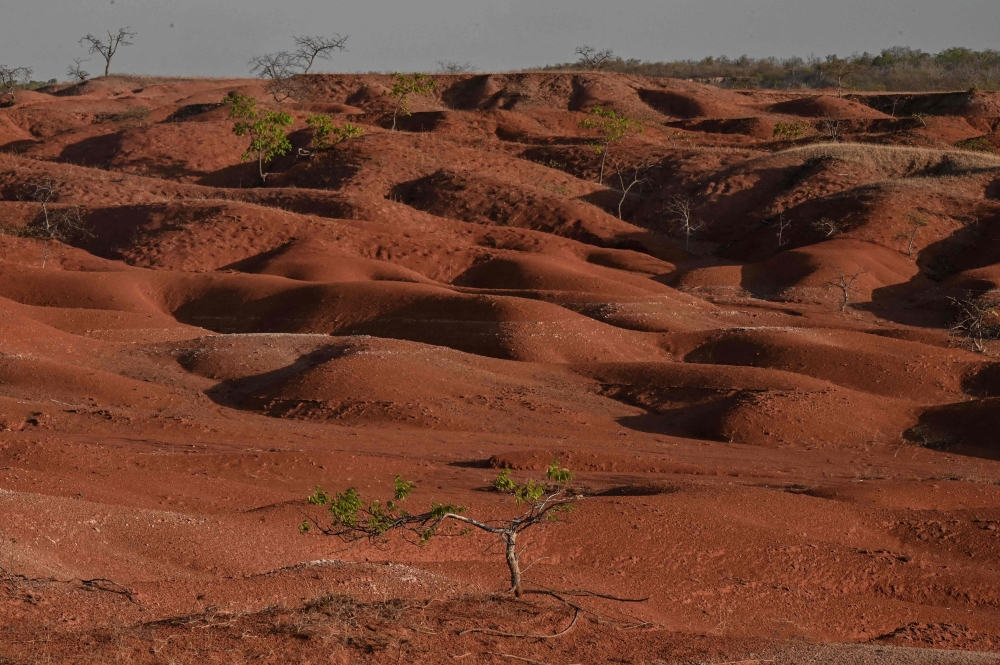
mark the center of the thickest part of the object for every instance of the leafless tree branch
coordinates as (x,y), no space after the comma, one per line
(107,49)
(310,48)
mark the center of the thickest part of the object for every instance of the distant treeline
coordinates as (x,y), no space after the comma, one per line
(896,68)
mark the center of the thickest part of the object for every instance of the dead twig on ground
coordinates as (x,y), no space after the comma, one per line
(497,633)
(110,586)
(586,592)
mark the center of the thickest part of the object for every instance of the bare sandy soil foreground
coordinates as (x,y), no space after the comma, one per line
(785,480)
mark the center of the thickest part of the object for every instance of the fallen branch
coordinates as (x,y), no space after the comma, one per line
(100,583)
(507,655)
(10,582)
(97,584)
(497,633)
(527,660)
(585,592)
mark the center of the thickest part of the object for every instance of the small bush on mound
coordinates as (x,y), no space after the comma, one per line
(789,131)
(352,518)
(265,129)
(326,134)
(405,85)
(978,144)
(614,128)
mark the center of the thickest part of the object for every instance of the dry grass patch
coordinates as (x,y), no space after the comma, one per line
(898,161)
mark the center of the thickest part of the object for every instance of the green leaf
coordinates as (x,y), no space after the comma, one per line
(319,497)
(504,483)
(558,474)
(403,488)
(345,507)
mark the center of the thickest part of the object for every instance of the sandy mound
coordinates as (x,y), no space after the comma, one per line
(538,273)
(366,380)
(867,363)
(809,274)
(318,261)
(687,105)
(491,201)
(811,271)
(749,405)
(963,427)
(826,106)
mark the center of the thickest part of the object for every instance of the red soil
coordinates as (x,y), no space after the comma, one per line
(785,481)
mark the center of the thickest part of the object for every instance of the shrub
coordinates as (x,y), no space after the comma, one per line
(789,131)
(405,85)
(265,129)
(353,518)
(978,144)
(614,128)
(327,135)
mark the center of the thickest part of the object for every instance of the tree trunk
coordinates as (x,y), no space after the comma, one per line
(604,157)
(260,167)
(107,66)
(513,564)
(395,112)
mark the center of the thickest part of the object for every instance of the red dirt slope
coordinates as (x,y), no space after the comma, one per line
(777,474)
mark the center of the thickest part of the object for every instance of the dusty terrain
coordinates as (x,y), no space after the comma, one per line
(785,481)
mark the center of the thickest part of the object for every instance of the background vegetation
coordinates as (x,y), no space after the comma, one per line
(896,68)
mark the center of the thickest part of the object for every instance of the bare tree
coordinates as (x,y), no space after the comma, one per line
(783,224)
(278,69)
(631,177)
(11,77)
(452,67)
(107,49)
(310,48)
(62,225)
(845,283)
(76,70)
(682,219)
(834,128)
(977,319)
(916,222)
(827,227)
(591,58)
(353,519)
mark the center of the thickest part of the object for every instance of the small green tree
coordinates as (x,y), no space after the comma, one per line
(353,519)
(327,135)
(405,85)
(265,129)
(613,128)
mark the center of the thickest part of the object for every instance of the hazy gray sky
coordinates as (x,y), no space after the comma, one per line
(216,37)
